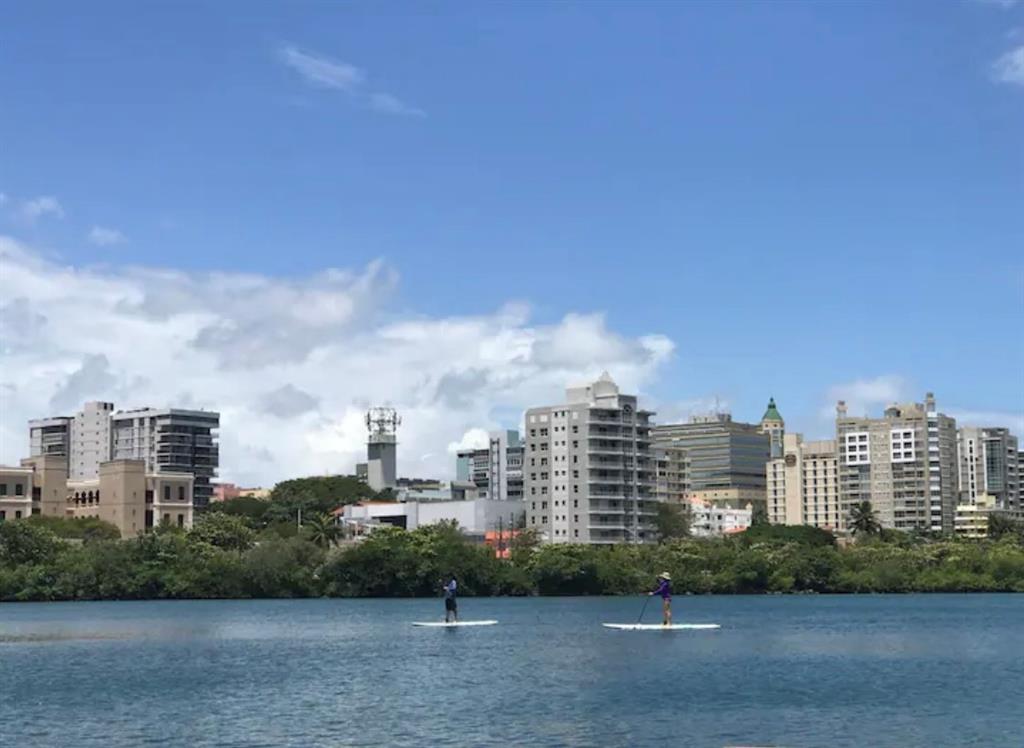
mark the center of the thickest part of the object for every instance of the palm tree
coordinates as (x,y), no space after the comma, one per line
(322,530)
(864,519)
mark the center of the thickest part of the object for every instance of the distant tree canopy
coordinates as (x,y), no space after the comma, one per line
(85,529)
(220,558)
(314,496)
(671,521)
(800,534)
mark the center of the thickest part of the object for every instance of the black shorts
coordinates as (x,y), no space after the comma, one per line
(450,604)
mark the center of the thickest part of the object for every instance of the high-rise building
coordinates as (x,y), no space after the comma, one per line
(50,436)
(988,460)
(713,458)
(171,440)
(589,473)
(903,463)
(773,425)
(497,470)
(803,484)
(90,440)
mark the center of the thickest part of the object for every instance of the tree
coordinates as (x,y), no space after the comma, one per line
(1000,525)
(864,519)
(225,531)
(322,530)
(24,543)
(671,521)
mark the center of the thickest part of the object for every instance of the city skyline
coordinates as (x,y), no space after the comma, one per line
(342,217)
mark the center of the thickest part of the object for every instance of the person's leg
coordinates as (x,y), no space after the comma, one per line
(455,612)
(666,612)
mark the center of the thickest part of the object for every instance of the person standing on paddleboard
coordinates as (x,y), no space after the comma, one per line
(451,605)
(665,591)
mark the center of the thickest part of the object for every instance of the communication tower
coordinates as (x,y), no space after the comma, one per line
(382,448)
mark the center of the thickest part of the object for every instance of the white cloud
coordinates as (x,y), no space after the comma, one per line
(1004,419)
(866,396)
(104,237)
(1009,68)
(32,210)
(1003,4)
(472,439)
(291,364)
(324,72)
(383,102)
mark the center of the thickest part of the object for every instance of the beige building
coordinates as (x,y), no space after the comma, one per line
(972,518)
(904,463)
(123,494)
(803,484)
(15,492)
(132,499)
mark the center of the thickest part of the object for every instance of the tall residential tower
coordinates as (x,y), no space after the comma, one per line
(589,473)
(903,463)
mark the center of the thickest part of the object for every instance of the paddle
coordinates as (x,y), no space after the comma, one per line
(643,609)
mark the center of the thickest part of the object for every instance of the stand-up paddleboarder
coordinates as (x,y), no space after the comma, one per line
(451,605)
(665,592)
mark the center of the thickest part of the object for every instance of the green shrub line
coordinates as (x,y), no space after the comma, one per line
(228,556)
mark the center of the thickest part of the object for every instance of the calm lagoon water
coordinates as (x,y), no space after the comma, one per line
(939,670)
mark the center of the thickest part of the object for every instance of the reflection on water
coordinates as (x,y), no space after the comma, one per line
(801,671)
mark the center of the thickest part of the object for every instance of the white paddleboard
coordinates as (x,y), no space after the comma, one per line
(453,624)
(661,627)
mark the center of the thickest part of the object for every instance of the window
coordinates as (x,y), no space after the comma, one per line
(181,520)
(575,503)
(167,518)
(17,514)
(575,473)
(167,497)
(575,444)
(181,493)
(19,489)
(543,505)
(3,489)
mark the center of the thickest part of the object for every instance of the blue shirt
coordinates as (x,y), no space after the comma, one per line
(449,590)
(664,589)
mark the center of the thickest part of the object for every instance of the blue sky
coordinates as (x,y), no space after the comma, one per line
(807,200)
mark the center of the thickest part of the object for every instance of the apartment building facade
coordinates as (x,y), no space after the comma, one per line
(904,463)
(50,436)
(171,440)
(988,458)
(803,484)
(589,472)
(497,470)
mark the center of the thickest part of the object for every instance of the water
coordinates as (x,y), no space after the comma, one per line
(941,670)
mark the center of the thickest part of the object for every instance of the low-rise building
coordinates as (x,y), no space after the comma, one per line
(475,517)
(123,494)
(972,517)
(708,520)
(131,499)
(16,484)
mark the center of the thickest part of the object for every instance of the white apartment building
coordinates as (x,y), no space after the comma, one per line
(903,463)
(803,484)
(589,472)
(988,460)
(90,440)
(708,520)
